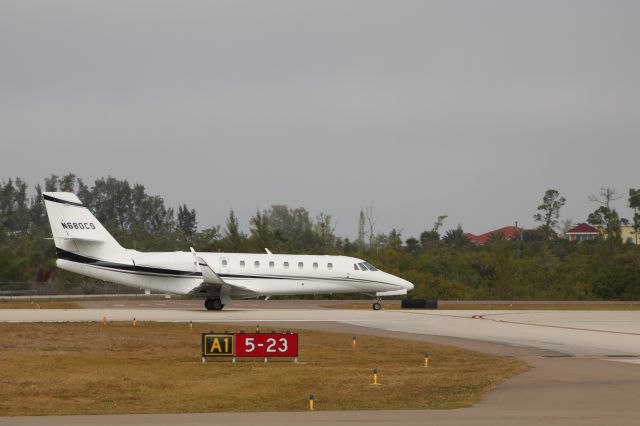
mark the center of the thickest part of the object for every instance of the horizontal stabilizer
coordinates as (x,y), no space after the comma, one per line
(87,239)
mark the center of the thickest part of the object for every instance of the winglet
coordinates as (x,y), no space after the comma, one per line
(267,250)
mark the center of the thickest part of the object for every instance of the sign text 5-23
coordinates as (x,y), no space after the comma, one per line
(266,344)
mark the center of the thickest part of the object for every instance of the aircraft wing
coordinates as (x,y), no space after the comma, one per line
(216,285)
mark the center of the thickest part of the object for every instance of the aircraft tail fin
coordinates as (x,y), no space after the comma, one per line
(75,229)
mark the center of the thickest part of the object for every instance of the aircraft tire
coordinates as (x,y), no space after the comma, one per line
(216,304)
(213,304)
(376,306)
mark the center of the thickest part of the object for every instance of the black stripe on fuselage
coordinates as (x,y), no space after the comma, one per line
(58,200)
(122,267)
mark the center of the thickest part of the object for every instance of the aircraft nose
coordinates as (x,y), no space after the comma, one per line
(397,281)
(403,283)
(408,285)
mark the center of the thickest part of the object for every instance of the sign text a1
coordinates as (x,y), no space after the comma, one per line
(217,344)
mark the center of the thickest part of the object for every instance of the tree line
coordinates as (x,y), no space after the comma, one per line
(442,264)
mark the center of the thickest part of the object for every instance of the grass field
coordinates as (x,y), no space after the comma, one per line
(39,304)
(90,368)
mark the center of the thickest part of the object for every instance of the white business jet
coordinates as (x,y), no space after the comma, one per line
(85,247)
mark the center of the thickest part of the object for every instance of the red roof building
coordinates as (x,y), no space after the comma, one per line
(508,232)
(582,232)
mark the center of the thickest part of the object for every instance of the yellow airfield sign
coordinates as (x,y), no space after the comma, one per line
(217,344)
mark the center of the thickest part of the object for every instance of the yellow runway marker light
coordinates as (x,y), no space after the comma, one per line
(354,341)
(134,321)
(426,359)
(311,401)
(375,376)
(190,325)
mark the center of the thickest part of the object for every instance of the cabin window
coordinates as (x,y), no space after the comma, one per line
(300,265)
(272,264)
(242,263)
(286,265)
(329,266)
(355,266)
(256,263)
(363,267)
(224,262)
(315,265)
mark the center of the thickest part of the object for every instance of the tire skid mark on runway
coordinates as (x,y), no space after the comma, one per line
(599,357)
(482,317)
(436,314)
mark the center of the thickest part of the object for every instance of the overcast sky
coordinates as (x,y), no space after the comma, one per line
(466,108)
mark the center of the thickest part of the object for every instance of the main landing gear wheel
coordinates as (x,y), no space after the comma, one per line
(376,306)
(213,304)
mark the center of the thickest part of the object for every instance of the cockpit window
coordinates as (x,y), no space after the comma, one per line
(364,266)
(371,267)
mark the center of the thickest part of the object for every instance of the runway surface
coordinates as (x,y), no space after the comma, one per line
(586,369)
(592,333)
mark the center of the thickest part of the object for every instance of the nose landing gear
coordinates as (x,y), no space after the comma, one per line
(213,304)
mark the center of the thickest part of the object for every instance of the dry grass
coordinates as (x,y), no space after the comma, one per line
(90,368)
(38,304)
